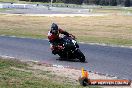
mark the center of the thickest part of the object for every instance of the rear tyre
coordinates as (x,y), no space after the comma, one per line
(80,56)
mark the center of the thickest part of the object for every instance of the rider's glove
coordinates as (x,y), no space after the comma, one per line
(72,36)
(60,47)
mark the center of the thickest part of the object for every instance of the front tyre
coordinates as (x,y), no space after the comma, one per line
(61,55)
(80,55)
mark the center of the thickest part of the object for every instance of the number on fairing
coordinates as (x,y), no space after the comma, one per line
(74,41)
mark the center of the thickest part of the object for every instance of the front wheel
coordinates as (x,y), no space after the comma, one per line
(62,55)
(80,56)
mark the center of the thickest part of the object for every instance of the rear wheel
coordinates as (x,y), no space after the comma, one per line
(80,56)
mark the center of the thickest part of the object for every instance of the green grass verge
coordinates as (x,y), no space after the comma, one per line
(112,10)
(16,74)
(109,41)
(8,0)
(6,63)
(4,9)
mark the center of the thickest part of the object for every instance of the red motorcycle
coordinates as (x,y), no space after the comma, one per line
(69,49)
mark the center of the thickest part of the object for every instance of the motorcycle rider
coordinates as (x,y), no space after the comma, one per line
(54,39)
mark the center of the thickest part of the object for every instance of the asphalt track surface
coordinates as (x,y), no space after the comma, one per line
(115,61)
(45,10)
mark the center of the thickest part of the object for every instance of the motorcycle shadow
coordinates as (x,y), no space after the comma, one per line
(69,60)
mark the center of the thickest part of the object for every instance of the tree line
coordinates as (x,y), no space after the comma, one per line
(126,3)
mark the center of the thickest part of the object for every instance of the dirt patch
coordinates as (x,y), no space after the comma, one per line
(71,75)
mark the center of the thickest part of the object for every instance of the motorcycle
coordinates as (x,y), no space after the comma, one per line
(69,49)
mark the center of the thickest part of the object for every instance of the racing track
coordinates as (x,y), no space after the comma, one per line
(115,61)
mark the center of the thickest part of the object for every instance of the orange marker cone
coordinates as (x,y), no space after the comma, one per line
(86,74)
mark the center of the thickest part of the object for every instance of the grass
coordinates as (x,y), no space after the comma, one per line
(113,29)
(17,74)
(3,9)
(112,10)
(8,0)
(6,63)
